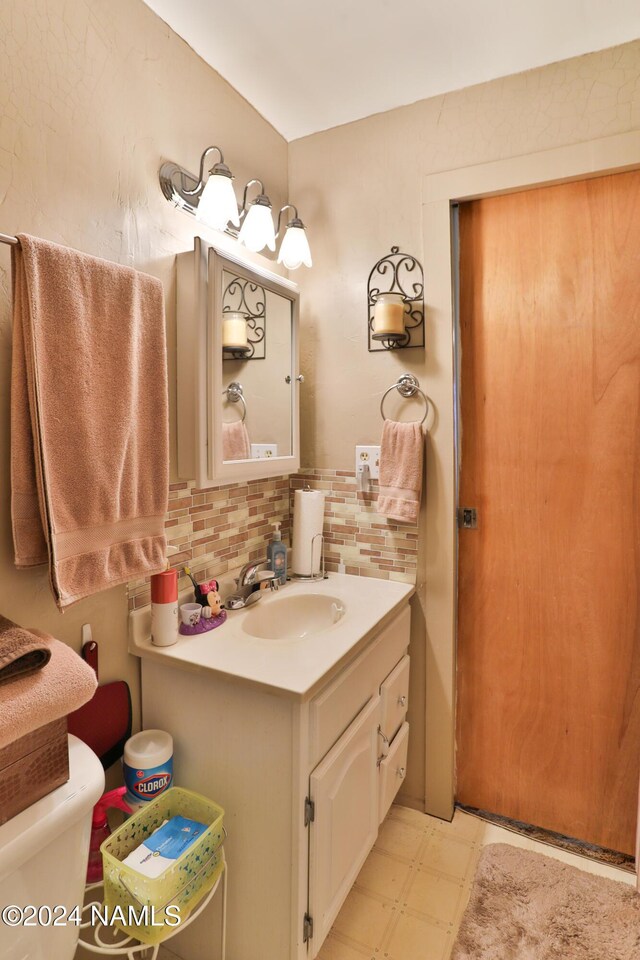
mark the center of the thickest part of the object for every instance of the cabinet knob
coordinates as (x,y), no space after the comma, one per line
(402,700)
(299,378)
(401,772)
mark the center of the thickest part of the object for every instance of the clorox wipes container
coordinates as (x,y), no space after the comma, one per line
(148,766)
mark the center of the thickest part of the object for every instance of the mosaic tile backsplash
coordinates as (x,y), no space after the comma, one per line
(219,529)
(368,544)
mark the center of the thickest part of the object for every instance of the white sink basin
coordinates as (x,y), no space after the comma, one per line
(293,618)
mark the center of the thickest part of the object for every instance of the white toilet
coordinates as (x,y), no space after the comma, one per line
(43,859)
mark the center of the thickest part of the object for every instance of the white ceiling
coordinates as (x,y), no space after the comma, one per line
(307,65)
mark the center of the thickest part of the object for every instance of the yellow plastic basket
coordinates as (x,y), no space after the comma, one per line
(182,885)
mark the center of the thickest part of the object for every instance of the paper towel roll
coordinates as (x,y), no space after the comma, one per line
(308,521)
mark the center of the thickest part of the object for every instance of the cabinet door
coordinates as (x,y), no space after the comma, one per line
(211,285)
(344,788)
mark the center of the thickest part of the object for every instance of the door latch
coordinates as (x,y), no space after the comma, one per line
(468,518)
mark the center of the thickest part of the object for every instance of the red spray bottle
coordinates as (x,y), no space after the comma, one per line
(100,829)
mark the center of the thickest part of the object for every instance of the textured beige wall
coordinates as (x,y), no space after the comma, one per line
(93,96)
(360,187)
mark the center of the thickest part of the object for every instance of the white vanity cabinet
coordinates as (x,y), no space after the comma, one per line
(304,780)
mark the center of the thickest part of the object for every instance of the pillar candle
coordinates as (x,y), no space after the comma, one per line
(388,313)
(234,330)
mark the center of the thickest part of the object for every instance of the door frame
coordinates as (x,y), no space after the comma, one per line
(441,192)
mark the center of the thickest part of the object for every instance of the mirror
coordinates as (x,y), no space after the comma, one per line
(237,357)
(256,407)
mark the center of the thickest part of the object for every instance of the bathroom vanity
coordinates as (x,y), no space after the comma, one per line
(293,717)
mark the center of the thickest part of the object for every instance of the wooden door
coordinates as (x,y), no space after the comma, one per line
(344,789)
(549,582)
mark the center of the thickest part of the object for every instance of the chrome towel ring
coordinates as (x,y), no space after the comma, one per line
(233,393)
(407,386)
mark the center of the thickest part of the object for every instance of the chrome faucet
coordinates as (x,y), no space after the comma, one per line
(248,584)
(254,573)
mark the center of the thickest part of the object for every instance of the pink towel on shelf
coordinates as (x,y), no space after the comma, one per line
(63,685)
(89,419)
(21,652)
(235,441)
(401,464)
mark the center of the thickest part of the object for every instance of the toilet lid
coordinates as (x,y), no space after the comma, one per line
(31,830)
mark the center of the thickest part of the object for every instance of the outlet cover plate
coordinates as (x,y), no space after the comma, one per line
(371,456)
(263,451)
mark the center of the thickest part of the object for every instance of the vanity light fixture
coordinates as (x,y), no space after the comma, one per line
(211,198)
(217,204)
(257,230)
(294,249)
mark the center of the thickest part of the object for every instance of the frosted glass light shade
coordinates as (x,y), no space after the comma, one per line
(294,249)
(257,231)
(218,205)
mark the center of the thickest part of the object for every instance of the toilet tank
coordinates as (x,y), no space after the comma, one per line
(43,859)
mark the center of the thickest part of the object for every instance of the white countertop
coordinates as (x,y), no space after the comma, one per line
(293,667)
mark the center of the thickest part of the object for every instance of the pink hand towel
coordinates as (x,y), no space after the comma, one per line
(235,441)
(29,702)
(401,464)
(89,419)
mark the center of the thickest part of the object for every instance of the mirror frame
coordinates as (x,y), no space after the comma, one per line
(234,470)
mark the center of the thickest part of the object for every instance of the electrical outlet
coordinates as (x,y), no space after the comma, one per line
(371,457)
(263,451)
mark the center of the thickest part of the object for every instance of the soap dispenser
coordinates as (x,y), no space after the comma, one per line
(277,555)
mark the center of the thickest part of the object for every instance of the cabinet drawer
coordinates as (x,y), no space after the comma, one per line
(331,712)
(392,771)
(394,699)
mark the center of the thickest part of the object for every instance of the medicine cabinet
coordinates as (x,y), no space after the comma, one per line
(238,379)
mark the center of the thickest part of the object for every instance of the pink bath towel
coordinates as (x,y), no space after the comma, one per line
(235,441)
(89,419)
(63,685)
(401,465)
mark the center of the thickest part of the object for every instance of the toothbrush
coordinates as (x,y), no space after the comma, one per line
(199,594)
(190,575)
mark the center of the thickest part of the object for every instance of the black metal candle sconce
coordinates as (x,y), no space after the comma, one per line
(394,274)
(249,298)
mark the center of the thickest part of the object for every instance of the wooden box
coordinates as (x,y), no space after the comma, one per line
(32,767)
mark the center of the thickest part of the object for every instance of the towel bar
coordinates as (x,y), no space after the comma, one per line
(407,386)
(233,393)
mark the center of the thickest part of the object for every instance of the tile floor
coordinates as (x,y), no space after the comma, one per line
(411,893)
